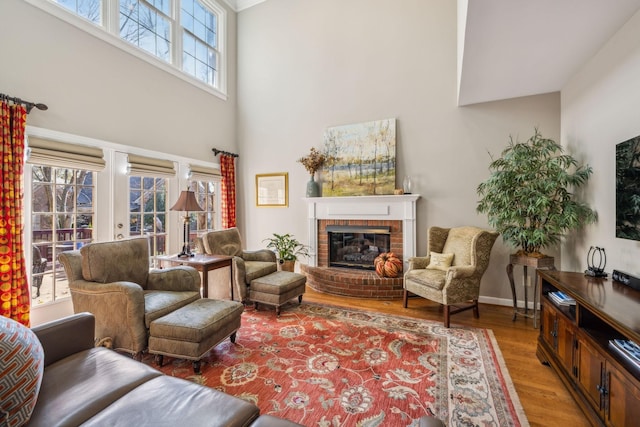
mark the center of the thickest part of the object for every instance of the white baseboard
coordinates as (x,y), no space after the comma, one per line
(503,301)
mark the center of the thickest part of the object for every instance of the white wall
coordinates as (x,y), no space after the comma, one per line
(306,66)
(96,90)
(600,108)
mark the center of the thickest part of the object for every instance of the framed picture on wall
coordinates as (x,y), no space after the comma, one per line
(272,189)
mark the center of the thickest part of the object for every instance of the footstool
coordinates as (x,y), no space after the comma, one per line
(277,288)
(191,331)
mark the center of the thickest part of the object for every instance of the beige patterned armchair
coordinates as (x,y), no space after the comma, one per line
(451,273)
(113,281)
(247,265)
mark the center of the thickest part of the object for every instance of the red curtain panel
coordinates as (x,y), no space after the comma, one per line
(228,196)
(14,288)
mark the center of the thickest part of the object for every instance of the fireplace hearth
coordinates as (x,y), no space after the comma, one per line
(369,225)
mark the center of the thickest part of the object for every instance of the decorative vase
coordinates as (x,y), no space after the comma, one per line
(313,189)
(406,184)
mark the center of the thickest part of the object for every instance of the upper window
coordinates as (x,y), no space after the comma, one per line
(199,41)
(147,24)
(88,9)
(186,34)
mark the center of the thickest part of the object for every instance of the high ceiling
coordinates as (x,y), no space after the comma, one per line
(515,48)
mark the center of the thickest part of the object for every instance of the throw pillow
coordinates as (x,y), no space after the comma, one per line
(440,261)
(22,366)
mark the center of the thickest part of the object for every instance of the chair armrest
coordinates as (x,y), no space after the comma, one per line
(461,272)
(127,289)
(63,337)
(72,263)
(119,309)
(259,255)
(239,279)
(177,279)
(416,263)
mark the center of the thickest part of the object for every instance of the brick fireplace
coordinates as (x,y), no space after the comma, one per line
(395,213)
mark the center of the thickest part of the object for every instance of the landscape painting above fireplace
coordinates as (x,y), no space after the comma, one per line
(361,159)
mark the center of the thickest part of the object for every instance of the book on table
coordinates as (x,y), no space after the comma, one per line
(560,298)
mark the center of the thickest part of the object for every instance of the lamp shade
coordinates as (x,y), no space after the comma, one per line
(186,202)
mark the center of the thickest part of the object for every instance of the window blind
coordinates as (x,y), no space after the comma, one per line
(62,154)
(204,173)
(148,166)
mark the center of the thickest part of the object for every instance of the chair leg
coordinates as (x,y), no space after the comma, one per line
(476,311)
(447,315)
(405,298)
(159,359)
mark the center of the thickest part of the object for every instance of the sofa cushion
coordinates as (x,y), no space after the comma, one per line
(161,303)
(124,260)
(428,277)
(271,421)
(169,401)
(256,269)
(78,387)
(21,368)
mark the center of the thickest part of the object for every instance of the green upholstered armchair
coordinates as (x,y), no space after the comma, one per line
(430,277)
(247,265)
(113,281)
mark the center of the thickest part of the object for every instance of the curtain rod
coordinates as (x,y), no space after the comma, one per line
(216,152)
(29,105)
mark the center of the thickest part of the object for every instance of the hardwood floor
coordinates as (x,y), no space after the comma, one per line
(545,399)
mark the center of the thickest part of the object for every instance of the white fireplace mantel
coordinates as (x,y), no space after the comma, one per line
(401,207)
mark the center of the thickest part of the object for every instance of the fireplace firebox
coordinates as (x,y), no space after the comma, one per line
(357,246)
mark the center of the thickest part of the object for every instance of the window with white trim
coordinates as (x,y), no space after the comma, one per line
(148,200)
(199,41)
(147,24)
(61,220)
(61,183)
(185,34)
(148,211)
(203,182)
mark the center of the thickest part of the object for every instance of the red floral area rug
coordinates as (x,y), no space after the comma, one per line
(325,366)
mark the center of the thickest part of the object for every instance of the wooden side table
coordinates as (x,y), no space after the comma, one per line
(203,263)
(545,263)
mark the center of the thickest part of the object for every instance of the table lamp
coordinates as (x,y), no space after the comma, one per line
(186,202)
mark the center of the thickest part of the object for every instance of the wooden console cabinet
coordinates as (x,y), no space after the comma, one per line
(574,341)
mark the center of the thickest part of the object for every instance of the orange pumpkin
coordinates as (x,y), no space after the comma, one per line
(388,265)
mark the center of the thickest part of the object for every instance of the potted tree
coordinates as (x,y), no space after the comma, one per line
(529,196)
(287,249)
(529,200)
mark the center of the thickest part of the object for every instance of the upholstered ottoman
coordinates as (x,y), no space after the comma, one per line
(277,288)
(191,331)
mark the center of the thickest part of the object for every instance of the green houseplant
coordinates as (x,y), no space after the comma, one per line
(287,249)
(528,197)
